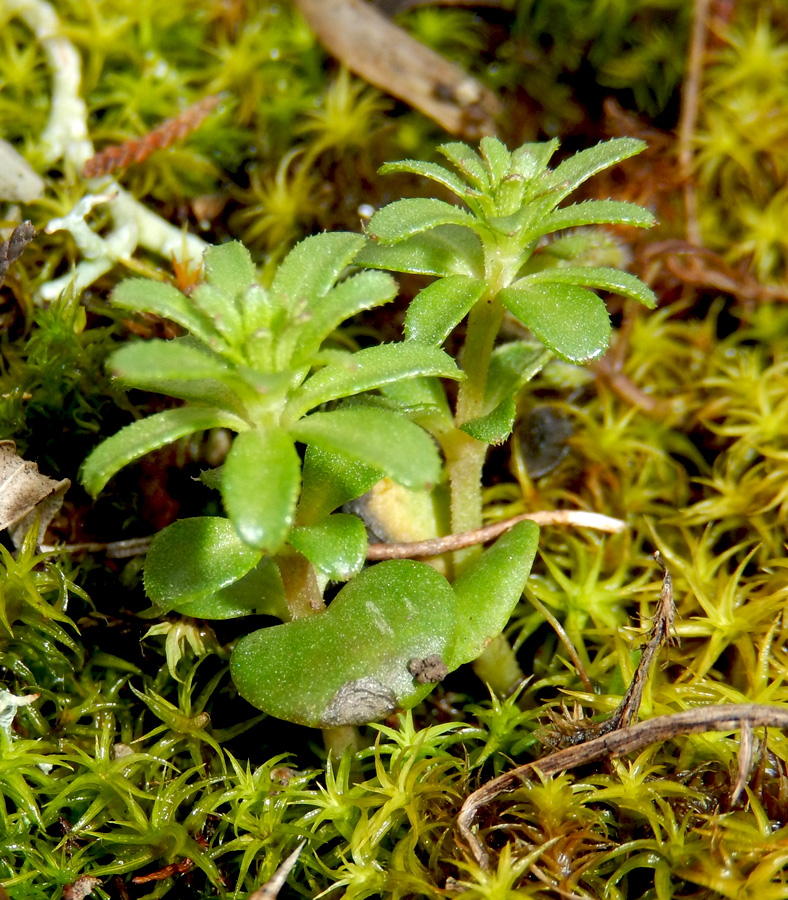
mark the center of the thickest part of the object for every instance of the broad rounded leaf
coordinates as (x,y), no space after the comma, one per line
(351,664)
(261,479)
(330,479)
(259,592)
(440,307)
(337,545)
(496,426)
(195,557)
(141,437)
(403,218)
(377,438)
(489,590)
(569,320)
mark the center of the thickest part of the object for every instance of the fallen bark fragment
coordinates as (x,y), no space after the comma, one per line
(386,56)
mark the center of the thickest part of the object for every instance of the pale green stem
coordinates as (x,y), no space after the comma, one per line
(464,454)
(497,666)
(344,738)
(302,592)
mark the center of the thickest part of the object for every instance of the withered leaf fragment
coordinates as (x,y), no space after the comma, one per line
(80,888)
(25,493)
(12,249)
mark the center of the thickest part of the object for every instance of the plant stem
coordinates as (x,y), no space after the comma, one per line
(301,589)
(464,454)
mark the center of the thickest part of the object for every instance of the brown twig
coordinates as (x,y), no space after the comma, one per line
(571,733)
(729,717)
(434,547)
(690,103)
(118,156)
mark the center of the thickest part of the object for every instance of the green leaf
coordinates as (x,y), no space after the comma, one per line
(594,212)
(512,366)
(180,368)
(158,360)
(613,280)
(350,664)
(423,401)
(377,438)
(403,218)
(530,162)
(261,480)
(354,295)
(259,592)
(141,437)
(369,369)
(497,157)
(571,173)
(230,268)
(337,545)
(330,479)
(468,162)
(144,295)
(256,312)
(569,320)
(193,558)
(428,170)
(446,250)
(496,426)
(221,308)
(489,590)
(312,267)
(440,307)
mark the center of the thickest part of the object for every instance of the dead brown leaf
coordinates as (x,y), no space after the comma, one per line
(25,493)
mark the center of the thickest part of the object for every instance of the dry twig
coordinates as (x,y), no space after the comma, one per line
(729,717)
(436,546)
(690,103)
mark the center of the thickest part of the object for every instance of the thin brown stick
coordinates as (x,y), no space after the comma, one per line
(434,547)
(690,103)
(113,549)
(729,717)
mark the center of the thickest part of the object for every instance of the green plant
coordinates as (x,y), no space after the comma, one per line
(261,362)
